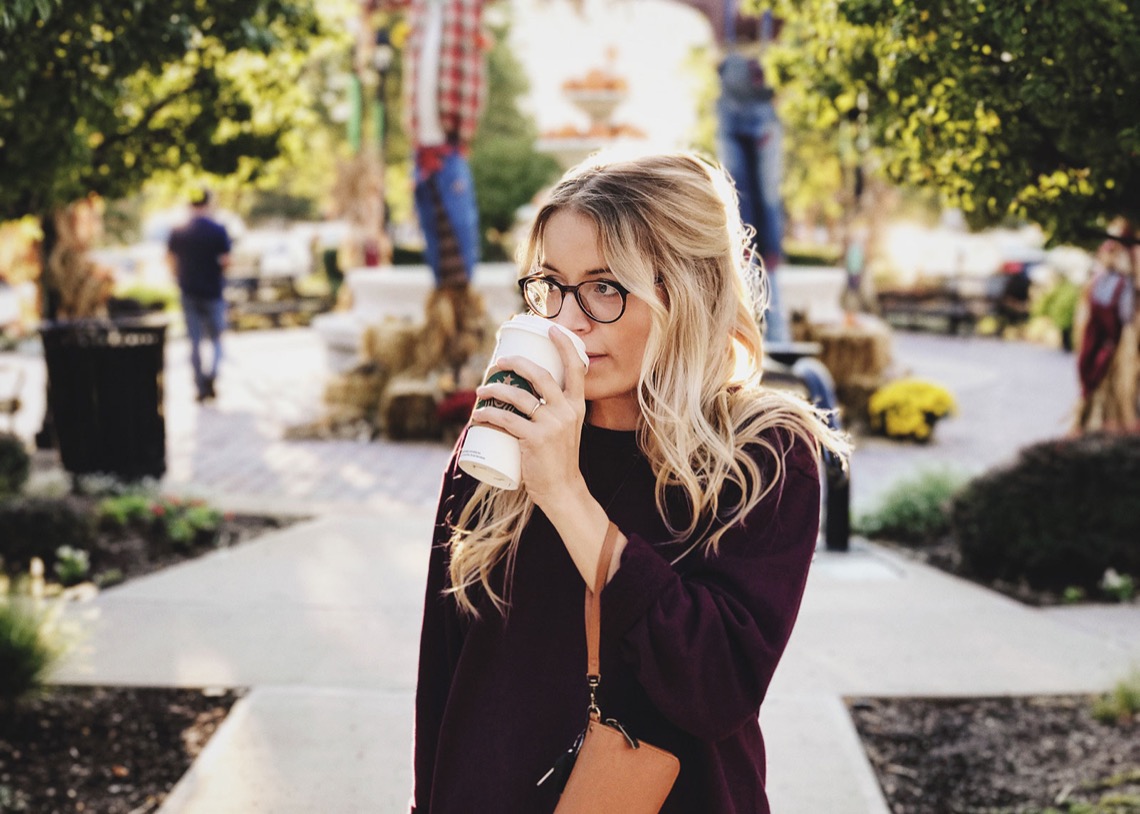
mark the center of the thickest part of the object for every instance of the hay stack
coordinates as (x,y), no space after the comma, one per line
(407,370)
(857,353)
(358,197)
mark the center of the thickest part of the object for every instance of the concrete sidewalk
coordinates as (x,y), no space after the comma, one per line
(321,619)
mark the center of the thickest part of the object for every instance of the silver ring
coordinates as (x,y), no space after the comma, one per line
(539,403)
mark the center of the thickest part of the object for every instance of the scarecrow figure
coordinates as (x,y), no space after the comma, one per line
(1108,360)
(445,90)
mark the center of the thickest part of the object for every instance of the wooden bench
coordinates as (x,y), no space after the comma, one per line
(955,306)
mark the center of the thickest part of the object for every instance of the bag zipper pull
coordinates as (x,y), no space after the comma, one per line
(630,739)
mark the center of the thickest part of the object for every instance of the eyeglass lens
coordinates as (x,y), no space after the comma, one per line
(600,300)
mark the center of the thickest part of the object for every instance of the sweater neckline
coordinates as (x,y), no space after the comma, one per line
(603,433)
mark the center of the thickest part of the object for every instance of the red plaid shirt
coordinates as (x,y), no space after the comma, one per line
(462,68)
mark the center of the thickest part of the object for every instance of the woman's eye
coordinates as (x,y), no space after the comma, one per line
(606,289)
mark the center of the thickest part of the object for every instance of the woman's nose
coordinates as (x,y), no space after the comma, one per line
(571,316)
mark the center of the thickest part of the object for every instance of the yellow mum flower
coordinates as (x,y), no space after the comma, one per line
(909,408)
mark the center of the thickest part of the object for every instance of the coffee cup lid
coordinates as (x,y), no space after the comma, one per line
(541,326)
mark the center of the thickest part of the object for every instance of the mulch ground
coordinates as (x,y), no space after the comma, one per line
(1028,755)
(115,750)
(1000,755)
(105,750)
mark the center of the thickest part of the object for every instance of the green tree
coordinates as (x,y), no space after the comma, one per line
(507,169)
(97,96)
(23,11)
(1020,110)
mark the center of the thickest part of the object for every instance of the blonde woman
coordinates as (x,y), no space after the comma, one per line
(710,478)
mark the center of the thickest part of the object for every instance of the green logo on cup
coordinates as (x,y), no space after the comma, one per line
(514,380)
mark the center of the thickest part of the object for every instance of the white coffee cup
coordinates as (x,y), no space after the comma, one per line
(488,453)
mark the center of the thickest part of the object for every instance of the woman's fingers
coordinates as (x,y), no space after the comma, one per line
(506,420)
(575,371)
(519,391)
(545,418)
(539,379)
(505,396)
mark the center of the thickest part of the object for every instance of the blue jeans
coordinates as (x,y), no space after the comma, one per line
(750,141)
(204,318)
(453,187)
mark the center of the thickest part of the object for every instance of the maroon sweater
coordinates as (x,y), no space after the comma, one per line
(687,651)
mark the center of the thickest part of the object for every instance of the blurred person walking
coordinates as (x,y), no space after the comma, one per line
(199,252)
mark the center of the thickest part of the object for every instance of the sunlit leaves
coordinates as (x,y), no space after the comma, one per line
(14,13)
(1023,108)
(98,95)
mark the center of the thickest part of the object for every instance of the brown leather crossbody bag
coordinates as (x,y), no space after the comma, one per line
(608,770)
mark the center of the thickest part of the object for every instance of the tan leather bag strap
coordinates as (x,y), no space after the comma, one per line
(594,607)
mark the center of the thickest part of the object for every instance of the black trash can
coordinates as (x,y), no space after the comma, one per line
(105,395)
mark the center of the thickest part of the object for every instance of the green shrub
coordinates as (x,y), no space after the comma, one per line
(1122,704)
(27,649)
(799,253)
(1059,304)
(1108,804)
(109,577)
(165,297)
(914,511)
(15,464)
(37,527)
(72,565)
(1060,516)
(185,525)
(1121,587)
(120,511)
(165,520)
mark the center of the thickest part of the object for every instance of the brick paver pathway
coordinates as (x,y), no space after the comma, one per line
(1009,394)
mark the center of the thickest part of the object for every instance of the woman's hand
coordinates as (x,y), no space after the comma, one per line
(549,439)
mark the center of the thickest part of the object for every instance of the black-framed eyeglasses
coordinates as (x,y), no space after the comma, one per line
(601,300)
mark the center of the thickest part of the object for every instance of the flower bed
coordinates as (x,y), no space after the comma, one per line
(1032,755)
(113,750)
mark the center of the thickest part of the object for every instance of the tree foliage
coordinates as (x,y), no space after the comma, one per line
(96,96)
(16,12)
(507,169)
(1024,109)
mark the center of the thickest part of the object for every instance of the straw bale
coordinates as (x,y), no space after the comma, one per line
(360,388)
(391,345)
(456,327)
(859,351)
(408,409)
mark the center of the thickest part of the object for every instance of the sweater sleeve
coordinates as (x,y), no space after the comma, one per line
(440,641)
(704,638)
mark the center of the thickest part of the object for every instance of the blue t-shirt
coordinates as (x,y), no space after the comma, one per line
(197,248)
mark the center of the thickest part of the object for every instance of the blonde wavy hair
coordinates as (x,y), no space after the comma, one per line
(666,223)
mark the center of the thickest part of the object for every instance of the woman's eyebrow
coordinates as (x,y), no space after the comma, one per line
(593,272)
